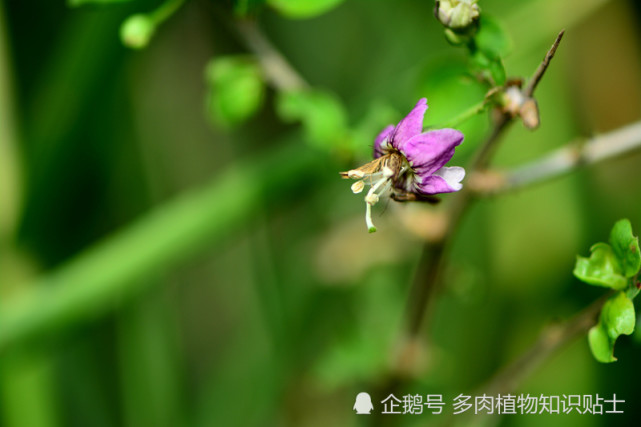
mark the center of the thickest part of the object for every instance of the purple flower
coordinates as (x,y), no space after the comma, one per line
(409,163)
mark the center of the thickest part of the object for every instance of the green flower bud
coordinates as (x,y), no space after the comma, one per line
(457,14)
(137,30)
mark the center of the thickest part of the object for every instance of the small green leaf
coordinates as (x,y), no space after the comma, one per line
(75,3)
(492,39)
(301,9)
(626,247)
(601,269)
(236,89)
(617,316)
(600,344)
(321,113)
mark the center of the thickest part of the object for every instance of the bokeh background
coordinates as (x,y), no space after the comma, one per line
(161,268)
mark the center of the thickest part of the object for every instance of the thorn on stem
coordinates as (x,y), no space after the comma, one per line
(538,74)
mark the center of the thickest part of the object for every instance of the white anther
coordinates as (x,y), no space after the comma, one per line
(358,186)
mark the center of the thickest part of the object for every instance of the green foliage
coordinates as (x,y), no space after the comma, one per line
(75,3)
(301,9)
(235,89)
(600,344)
(492,39)
(611,265)
(626,247)
(322,114)
(601,269)
(617,318)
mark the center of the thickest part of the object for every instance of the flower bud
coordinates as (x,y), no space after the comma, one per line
(457,14)
(137,30)
(516,104)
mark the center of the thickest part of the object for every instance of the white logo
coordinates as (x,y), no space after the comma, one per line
(363,404)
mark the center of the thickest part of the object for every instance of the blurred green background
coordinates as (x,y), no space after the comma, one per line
(158,268)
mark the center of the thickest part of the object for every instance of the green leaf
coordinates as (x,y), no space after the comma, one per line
(75,3)
(236,89)
(617,318)
(600,344)
(601,269)
(488,68)
(626,247)
(301,9)
(497,71)
(492,39)
(322,114)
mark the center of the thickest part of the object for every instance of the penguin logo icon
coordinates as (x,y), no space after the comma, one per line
(363,404)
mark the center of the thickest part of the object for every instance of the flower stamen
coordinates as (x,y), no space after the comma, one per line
(355,174)
(358,186)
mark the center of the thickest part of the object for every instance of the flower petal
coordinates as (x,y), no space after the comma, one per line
(381,143)
(410,126)
(434,185)
(430,151)
(452,175)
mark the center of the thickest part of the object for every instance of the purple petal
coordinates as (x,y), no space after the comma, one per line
(410,126)
(381,143)
(430,151)
(452,175)
(434,185)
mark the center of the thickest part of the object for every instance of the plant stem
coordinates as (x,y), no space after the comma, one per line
(165,11)
(540,71)
(116,267)
(10,173)
(551,340)
(559,162)
(274,65)
(427,278)
(465,115)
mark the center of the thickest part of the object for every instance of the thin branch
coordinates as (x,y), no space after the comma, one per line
(560,162)
(538,74)
(431,264)
(552,339)
(465,115)
(276,68)
(549,342)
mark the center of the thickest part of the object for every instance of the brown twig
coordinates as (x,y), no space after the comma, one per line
(538,74)
(431,263)
(551,340)
(559,162)
(507,380)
